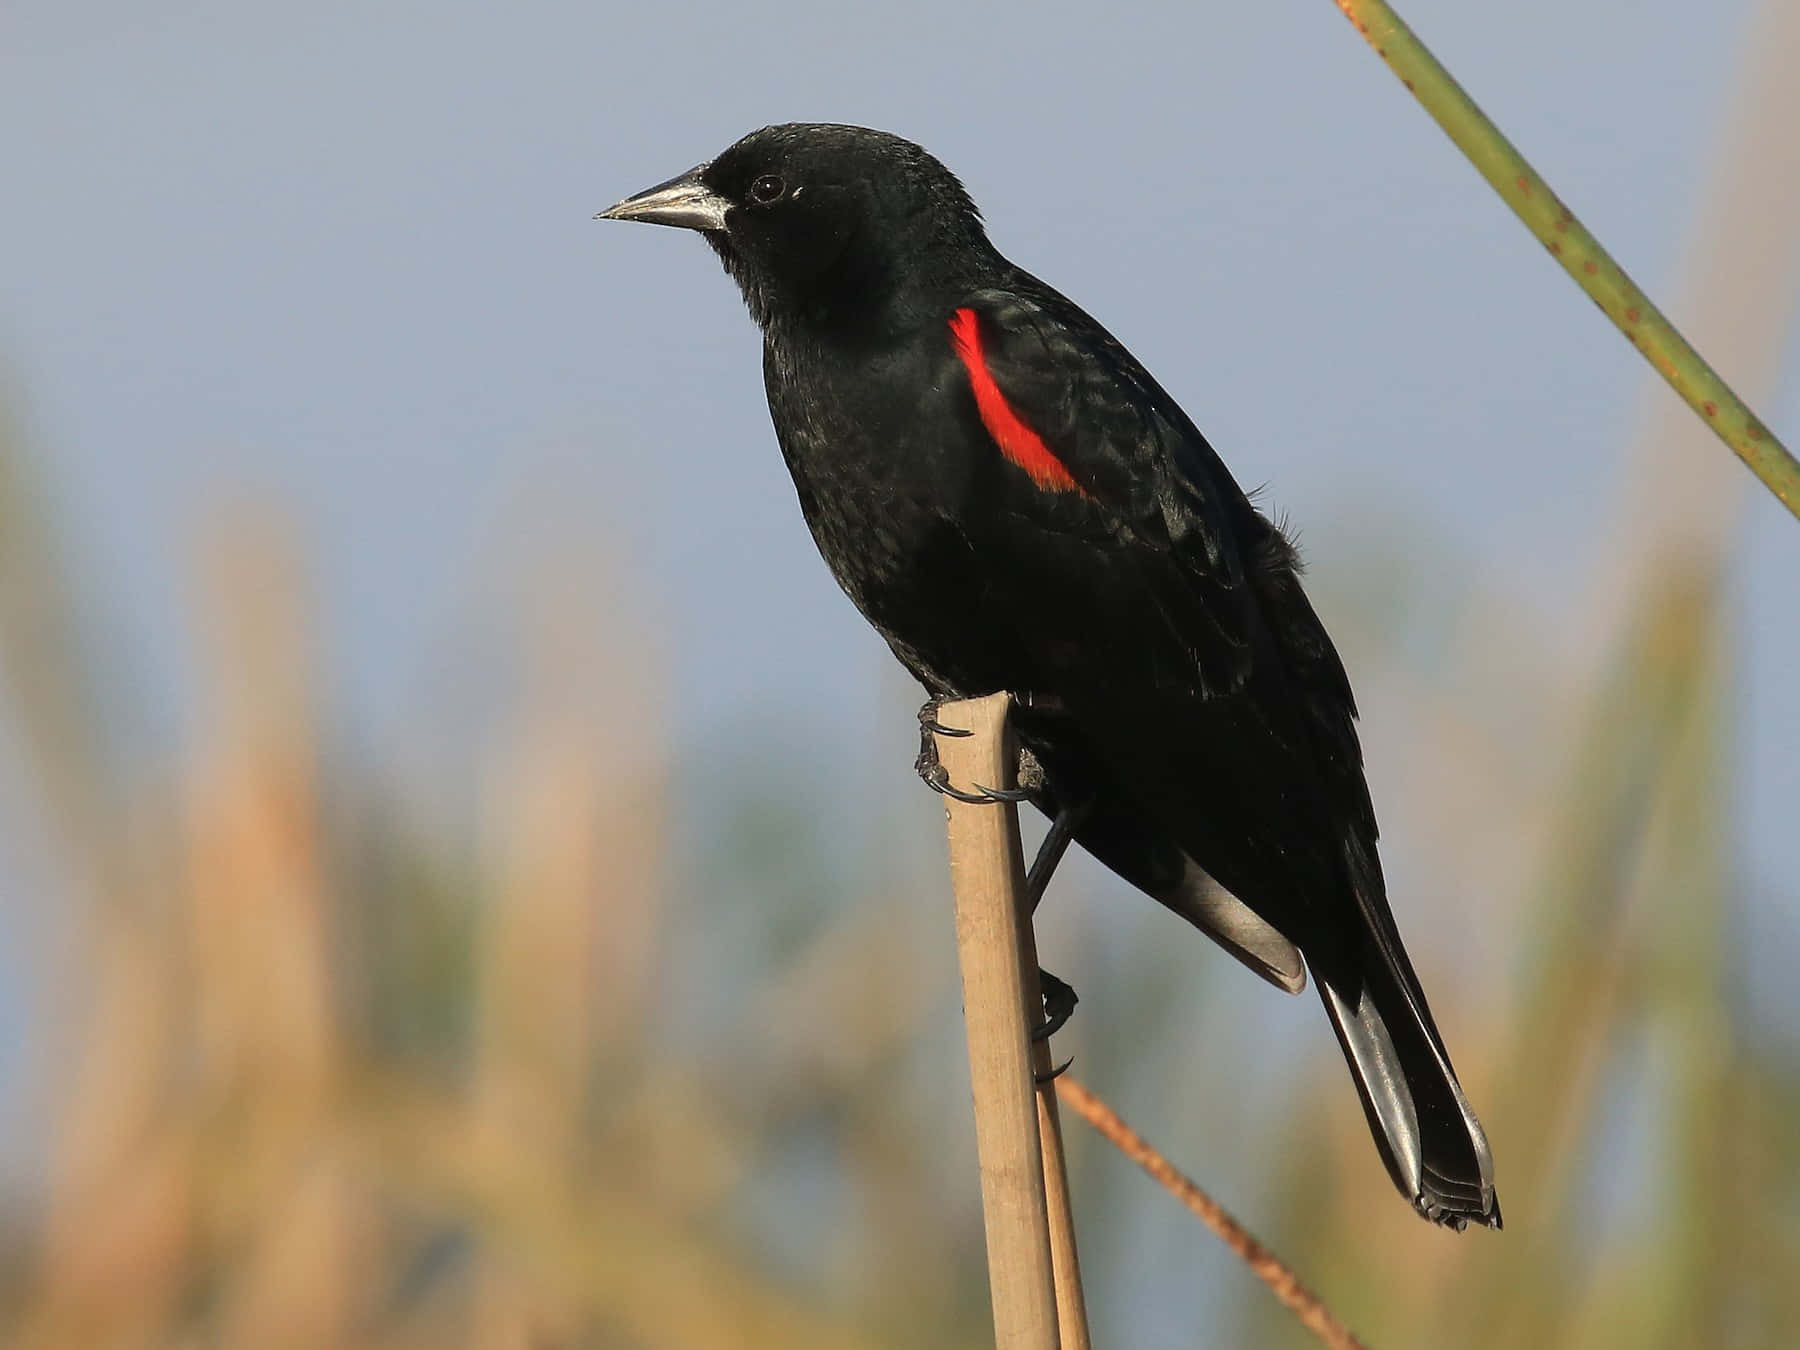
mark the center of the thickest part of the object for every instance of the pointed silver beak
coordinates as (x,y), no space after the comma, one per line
(684,202)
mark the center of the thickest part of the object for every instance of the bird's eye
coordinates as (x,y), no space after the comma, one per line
(767,189)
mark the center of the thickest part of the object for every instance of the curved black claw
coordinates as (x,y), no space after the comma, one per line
(937,778)
(1059,1006)
(936,728)
(985,794)
(939,781)
(929,724)
(1045,1079)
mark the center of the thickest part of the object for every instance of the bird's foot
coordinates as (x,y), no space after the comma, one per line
(937,777)
(1059,1005)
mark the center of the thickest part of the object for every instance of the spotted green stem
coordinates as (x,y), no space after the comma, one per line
(1579,252)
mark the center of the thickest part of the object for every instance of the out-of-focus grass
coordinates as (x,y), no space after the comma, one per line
(1620,1096)
(343,1079)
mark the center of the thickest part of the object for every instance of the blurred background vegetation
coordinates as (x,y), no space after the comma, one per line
(578,1037)
(335,1066)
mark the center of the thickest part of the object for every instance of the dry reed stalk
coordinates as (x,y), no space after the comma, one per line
(567,952)
(538,994)
(260,942)
(122,1224)
(1548,1079)
(642,1275)
(1065,1257)
(987,873)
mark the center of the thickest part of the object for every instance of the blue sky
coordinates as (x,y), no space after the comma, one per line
(342,254)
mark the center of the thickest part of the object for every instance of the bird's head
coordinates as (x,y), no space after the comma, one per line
(823,224)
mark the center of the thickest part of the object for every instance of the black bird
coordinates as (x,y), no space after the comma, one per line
(1014,503)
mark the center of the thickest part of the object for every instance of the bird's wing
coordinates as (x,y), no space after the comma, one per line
(1117,461)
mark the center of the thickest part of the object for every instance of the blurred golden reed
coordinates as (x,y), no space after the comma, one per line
(328,1082)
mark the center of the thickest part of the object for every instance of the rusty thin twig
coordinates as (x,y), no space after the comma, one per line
(1263,1263)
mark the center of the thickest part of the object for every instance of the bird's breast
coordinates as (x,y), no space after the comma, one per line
(871,447)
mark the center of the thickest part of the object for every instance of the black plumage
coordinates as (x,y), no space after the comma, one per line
(1014,503)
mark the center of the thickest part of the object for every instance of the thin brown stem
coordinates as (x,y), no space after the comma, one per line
(1263,1263)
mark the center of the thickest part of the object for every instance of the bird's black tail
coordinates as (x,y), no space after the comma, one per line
(1434,1147)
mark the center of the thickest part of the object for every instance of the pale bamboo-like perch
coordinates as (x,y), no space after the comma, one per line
(1065,1261)
(1018,1140)
(1033,1272)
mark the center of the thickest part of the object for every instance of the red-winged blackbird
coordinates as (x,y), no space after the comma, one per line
(1015,504)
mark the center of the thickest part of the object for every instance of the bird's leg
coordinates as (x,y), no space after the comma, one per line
(1059,997)
(1050,852)
(937,777)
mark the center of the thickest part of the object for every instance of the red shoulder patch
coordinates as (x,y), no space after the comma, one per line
(1018,442)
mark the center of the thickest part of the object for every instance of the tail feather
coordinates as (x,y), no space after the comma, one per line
(1434,1148)
(1134,849)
